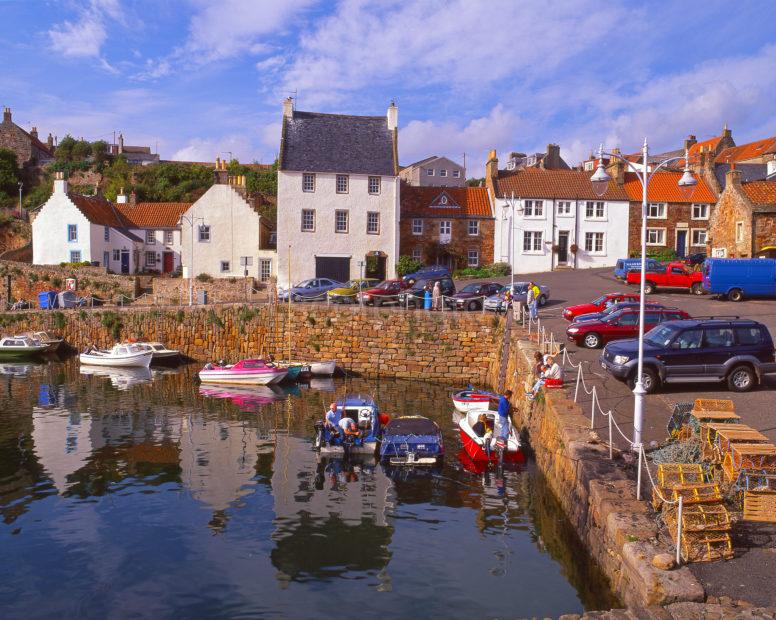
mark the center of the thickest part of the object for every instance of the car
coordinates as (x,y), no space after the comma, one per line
(624,265)
(314,289)
(348,294)
(597,316)
(673,275)
(704,349)
(597,305)
(472,296)
(414,297)
(496,302)
(618,325)
(696,258)
(384,293)
(433,272)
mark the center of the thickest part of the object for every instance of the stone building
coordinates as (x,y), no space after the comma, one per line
(434,171)
(28,148)
(744,222)
(137,155)
(549,160)
(450,226)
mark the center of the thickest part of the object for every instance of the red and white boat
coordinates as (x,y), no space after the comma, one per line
(244,372)
(466,400)
(475,445)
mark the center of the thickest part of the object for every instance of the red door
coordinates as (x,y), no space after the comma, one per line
(168,263)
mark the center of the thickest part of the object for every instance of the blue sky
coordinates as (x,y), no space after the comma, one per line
(206,78)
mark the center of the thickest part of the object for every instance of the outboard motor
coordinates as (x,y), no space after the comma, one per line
(318,440)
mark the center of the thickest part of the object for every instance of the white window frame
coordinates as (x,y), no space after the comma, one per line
(592,240)
(308,182)
(534,239)
(149,259)
(117,255)
(150,237)
(445,228)
(342,183)
(417,253)
(693,232)
(373,186)
(564,208)
(265,269)
(705,207)
(169,237)
(225,266)
(417,226)
(663,235)
(337,228)
(372,217)
(473,228)
(443,172)
(456,174)
(311,214)
(429,172)
(534,209)
(662,211)
(595,210)
(203,233)
(75,256)
(473,258)
(739,232)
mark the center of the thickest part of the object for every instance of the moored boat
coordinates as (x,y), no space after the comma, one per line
(51,341)
(293,369)
(364,412)
(466,400)
(323,369)
(121,355)
(475,445)
(412,440)
(20,347)
(244,372)
(160,352)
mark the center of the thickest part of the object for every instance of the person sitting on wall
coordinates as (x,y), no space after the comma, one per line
(553,371)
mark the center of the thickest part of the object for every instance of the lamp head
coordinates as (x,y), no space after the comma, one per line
(600,180)
(687,183)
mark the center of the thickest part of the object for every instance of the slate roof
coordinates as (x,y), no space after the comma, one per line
(461,202)
(565,184)
(315,142)
(664,187)
(744,152)
(749,172)
(153,214)
(761,193)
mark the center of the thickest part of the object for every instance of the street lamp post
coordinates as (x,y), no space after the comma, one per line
(512,204)
(191,221)
(600,181)
(21,185)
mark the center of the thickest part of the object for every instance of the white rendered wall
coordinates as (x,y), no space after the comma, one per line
(50,245)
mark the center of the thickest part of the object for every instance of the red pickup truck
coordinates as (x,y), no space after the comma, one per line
(672,275)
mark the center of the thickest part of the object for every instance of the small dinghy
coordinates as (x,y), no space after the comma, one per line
(52,342)
(466,400)
(323,369)
(475,445)
(412,440)
(121,355)
(244,372)
(364,412)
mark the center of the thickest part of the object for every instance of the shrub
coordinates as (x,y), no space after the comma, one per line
(56,281)
(214,319)
(34,277)
(495,270)
(407,264)
(179,316)
(45,277)
(205,277)
(59,320)
(112,322)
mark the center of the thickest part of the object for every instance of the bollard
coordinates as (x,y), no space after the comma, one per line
(679,531)
(610,435)
(638,475)
(579,379)
(592,408)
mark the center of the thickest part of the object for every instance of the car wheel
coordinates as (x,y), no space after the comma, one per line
(649,380)
(473,305)
(542,300)
(736,294)
(649,288)
(741,379)
(379,303)
(296,298)
(697,289)
(592,340)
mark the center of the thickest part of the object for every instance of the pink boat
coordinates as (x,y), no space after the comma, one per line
(244,372)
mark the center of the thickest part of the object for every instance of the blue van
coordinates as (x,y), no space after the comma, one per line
(624,265)
(737,278)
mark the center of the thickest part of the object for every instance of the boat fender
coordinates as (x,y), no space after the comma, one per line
(384,419)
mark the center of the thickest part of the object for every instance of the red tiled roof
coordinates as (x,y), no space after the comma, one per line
(430,202)
(708,145)
(99,211)
(567,184)
(153,214)
(761,192)
(664,187)
(744,152)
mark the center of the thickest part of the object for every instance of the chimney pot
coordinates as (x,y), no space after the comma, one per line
(6,115)
(60,183)
(34,132)
(288,107)
(392,116)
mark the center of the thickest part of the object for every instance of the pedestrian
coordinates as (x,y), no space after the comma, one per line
(551,371)
(436,296)
(530,300)
(507,300)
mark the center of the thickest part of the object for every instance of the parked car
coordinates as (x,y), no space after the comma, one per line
(624,265)
(597,316)
(737,351)
(598,305)
(384,293)
(496,302)
(433,272)
(348,293)
(736,278)
(694,259)
(415,296)
(314,289)
(472,296)
(618,325)
(673,275)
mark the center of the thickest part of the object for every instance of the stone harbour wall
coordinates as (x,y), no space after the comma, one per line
(175,291)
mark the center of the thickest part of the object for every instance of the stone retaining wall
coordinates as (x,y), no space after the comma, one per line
(175,291)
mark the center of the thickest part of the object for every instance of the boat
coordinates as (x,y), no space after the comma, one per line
(121,355)
(244,372)
(465,400)
(364,411)
(246,398)
(52,342)
(20,347)
(122,378)
(412,440)
(160,352)
(323,369)
(293,369)
(475,445)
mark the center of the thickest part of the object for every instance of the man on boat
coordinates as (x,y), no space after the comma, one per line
(332,420)
(504,408)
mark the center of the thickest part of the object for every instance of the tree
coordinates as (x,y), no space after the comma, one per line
(407,264)
(9,172)
(473,182)
(81,150)
(99,151)
(64,151)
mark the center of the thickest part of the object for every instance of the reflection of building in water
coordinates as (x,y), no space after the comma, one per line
(330,515)
(62,440)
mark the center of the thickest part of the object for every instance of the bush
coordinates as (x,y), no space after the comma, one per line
(407,264)
(56,281)
(205,277)
(663,255)
(487,271)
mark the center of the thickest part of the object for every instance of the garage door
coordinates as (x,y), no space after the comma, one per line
(334,267)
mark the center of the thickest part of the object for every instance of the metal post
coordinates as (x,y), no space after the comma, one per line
(592,408)
(679,531)
(638,389)
(579,379)
(610,434)
(21,185)
(640,452)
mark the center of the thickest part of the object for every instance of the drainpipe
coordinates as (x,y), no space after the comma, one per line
(576,229)
(552,253)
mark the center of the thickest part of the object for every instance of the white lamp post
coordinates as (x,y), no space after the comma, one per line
(600,181)
(511,203)
(191,221)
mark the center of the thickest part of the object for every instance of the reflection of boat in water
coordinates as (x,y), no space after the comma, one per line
(122,378)
(10,369)
(245,398)
(322,384)
(480,467)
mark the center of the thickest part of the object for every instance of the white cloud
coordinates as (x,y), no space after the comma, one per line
(85,36)
(205,149)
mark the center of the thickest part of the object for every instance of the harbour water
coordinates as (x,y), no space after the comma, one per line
(126,494)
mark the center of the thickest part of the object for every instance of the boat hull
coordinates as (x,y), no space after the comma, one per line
(323,369)
(465,404)
(474,449)
(224,377)
(368,447)
(21,353)
(135,360)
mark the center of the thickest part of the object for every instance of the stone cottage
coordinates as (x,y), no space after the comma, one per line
(28,148)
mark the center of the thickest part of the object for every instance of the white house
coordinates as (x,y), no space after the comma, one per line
(338,195)
(229,236)
(556,212)
(125,237)
(435,171)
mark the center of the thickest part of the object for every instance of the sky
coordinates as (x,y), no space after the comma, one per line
(197,79)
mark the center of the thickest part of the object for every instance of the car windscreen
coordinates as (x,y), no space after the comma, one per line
(599,301)
(661,335)
(471,288)
(520,288)
(303,283)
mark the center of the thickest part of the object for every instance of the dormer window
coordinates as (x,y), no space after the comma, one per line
(443,199)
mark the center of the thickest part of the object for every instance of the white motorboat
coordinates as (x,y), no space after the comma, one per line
(16,347)
(474,444)
(323,369)
(161,352)
(121,355)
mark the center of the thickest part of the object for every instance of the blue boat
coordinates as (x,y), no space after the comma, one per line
(412,440)
(364,412)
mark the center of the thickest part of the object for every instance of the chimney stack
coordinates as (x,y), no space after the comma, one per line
(121,143)
(552,158)
(132,198)
(726,133)
(491,166)
(60,183)
(121,198)
(288,107)
(393,116)
(221,173)
(6,115)
(34,132)
(689,141)
(50,142)
(733,177)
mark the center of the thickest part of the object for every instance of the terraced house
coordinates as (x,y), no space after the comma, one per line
(338,195)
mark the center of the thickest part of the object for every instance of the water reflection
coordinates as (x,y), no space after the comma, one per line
(120,378)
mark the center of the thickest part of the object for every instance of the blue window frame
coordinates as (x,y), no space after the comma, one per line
(107,233)
(75,256)
(72,232)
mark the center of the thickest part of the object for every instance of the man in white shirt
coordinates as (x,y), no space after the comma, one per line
(554,371)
